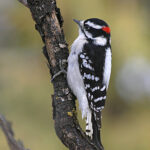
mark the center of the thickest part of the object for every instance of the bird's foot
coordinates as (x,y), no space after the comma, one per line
(62,70)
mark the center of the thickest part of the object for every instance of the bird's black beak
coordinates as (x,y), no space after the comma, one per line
(78,22)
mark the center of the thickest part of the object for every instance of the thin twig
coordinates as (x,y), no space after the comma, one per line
(9,134)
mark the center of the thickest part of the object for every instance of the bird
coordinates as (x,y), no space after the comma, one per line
(89,70)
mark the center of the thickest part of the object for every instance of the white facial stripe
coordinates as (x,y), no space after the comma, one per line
(100,41)
(89,35)
(91,24)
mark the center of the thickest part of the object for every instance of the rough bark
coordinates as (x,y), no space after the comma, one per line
(48,21)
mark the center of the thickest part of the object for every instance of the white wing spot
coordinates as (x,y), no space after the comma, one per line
(87,57)
(96,78)
(103,88)
(100,108)
(90,61)
(95,88)
(84,61)
(82,56)
(87,65)
(88,76)
(98,99)
(92,77)
(104,97)
(87,86)
(89,95)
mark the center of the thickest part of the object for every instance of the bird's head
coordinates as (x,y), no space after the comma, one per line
(95,30)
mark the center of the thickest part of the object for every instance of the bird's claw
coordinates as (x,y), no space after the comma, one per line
(62,70)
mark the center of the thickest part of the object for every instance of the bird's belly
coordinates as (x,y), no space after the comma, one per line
(76,84)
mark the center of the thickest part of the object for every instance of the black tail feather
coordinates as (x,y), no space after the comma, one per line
(96,133)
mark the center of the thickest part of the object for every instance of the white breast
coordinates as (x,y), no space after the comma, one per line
(74,77)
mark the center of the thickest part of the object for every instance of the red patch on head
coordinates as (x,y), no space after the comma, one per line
(106,29)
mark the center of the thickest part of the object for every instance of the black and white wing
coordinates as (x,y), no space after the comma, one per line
(96,91)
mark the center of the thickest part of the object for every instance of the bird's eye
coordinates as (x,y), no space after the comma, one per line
(86,27)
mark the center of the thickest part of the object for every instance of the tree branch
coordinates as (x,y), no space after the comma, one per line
(49,24)
(9,134)
(24,2)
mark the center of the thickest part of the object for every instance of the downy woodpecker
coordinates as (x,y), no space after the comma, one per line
(88,73)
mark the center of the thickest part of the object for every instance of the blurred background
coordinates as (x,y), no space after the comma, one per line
(25,89)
